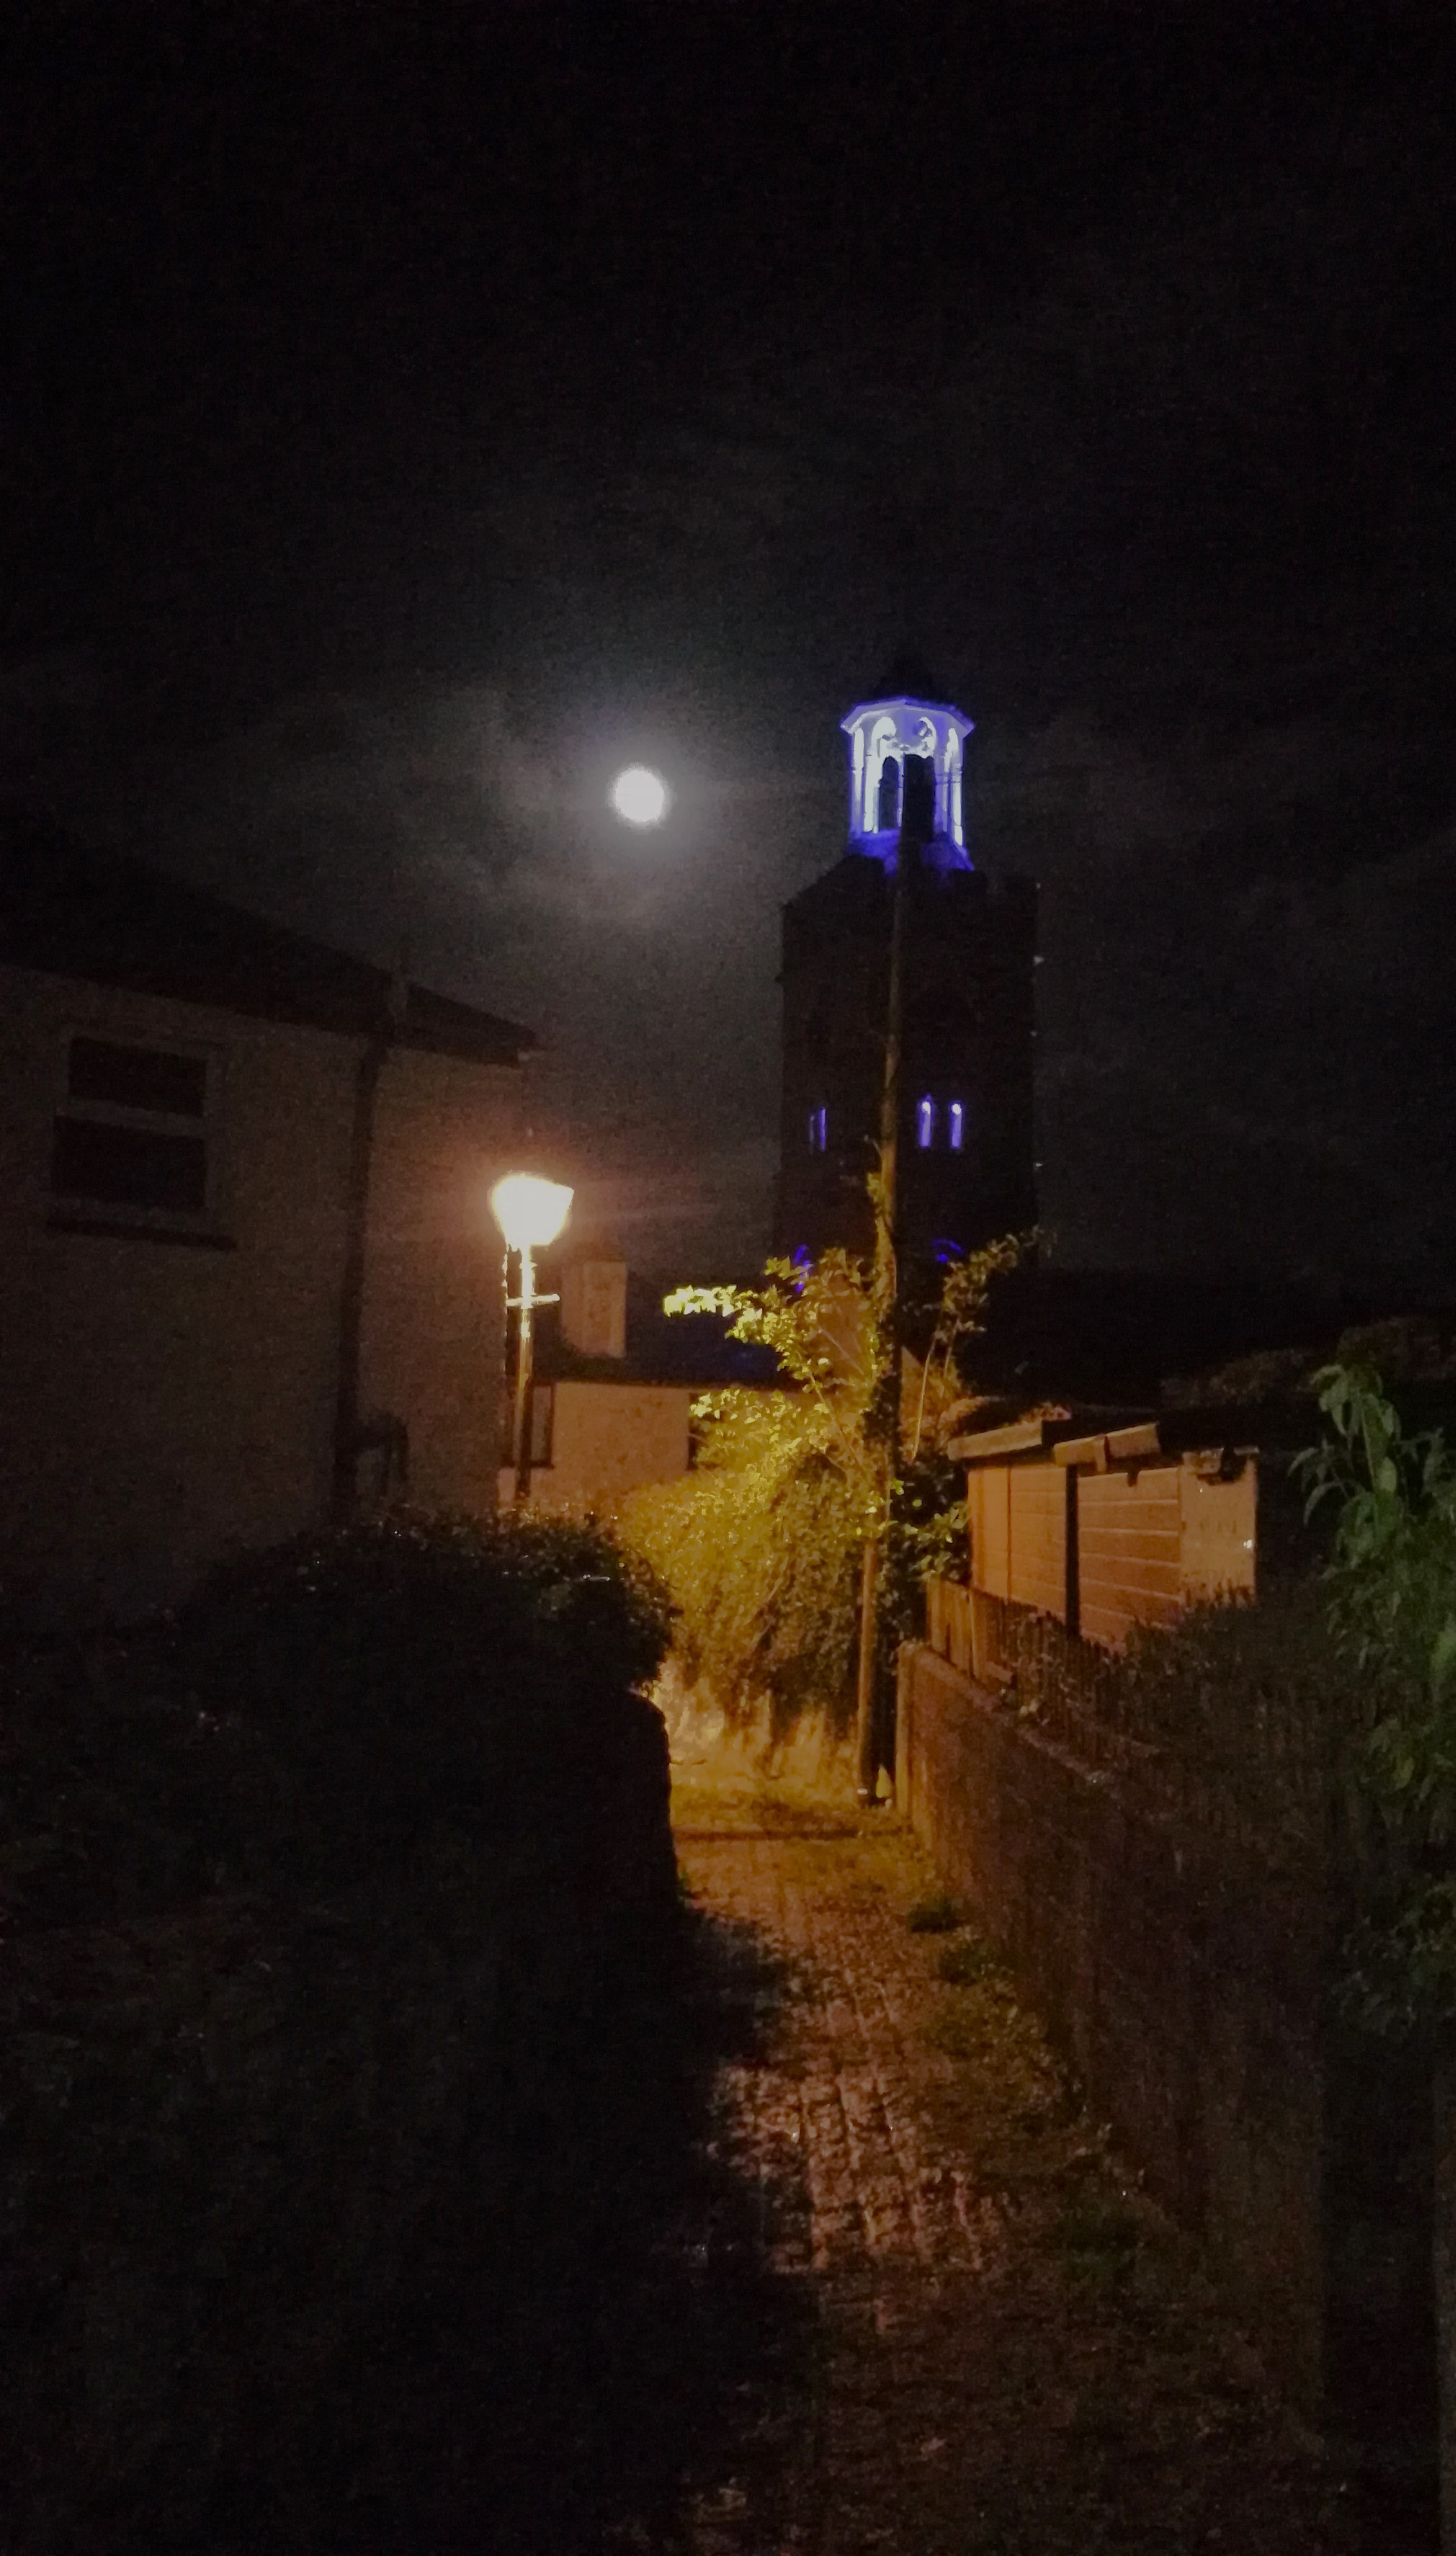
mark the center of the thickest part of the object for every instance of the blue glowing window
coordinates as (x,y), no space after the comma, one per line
(818,1129)
(926,1123)
(955,1126)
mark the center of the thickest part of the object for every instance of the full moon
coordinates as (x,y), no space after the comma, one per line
(639,796)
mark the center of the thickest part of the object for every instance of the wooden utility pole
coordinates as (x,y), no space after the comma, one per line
(883,1418)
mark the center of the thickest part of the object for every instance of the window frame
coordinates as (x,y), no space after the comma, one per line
(76,1210)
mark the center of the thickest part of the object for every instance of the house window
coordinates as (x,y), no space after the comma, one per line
(818,1129)
(130,1138)
(955,1126)
(926,1123)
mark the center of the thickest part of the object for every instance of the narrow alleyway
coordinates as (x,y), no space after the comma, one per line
(989,2345)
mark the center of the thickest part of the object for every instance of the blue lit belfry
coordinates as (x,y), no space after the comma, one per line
(965,1153)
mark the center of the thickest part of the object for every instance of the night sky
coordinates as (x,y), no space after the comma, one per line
(410,415)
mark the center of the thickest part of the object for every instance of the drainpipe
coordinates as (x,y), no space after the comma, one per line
(347,1419)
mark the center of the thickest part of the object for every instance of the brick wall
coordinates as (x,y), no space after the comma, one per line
(1192,1990)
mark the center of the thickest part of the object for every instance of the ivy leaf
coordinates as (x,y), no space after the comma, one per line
(1443,1658)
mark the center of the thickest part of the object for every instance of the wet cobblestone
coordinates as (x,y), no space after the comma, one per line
(1011,2353)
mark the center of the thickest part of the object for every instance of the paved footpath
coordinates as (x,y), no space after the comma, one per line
(1001,2349)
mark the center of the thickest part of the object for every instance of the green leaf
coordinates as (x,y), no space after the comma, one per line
(1443,1657)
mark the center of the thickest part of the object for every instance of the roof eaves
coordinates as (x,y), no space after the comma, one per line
(108,920)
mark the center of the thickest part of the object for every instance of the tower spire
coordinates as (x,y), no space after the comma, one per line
(904,724)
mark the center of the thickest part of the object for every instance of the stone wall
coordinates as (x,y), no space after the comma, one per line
(709,1745)
(1192,1990)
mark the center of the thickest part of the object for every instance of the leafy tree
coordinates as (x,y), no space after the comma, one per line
(761,1546)
(1392,1599)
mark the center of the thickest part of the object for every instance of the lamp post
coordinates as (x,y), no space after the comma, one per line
(531,1213)
(883,1418)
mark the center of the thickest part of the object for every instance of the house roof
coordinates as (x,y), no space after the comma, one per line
(111,920)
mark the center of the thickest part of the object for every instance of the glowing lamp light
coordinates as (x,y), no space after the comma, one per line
(530,1211)
(640,796)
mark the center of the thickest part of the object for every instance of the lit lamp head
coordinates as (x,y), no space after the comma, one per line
(530,1211)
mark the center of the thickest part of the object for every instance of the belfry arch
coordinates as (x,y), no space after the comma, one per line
(967,1173)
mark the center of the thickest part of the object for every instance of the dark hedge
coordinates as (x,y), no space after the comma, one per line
(330,1903)
(318,1706)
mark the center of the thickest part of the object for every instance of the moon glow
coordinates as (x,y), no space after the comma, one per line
(640,796)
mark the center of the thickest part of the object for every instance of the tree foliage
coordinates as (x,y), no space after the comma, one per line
(1391,1581)
(761,1545)
(1392,1599)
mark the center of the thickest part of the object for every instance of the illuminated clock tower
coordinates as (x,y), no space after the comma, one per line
(965,1159)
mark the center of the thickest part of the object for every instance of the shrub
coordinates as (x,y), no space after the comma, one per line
(1390,1591)
(373,1617)
(331,1894)
(331,1698)
(761,1547)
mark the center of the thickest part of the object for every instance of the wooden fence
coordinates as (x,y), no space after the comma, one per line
(1075,1541)
(1103,1532)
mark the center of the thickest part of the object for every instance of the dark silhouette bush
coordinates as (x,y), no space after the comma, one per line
(319,1710)
(329,1898)
(414,1668)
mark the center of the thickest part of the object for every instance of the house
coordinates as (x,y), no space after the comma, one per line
(615,1386)
(249,1272)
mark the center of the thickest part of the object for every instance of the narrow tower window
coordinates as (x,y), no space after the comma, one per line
(818,1129)
(919,818)
(955,1126)
(889,810)
(926,1123)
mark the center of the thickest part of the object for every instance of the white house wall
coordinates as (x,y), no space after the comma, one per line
(433,1349)
(609,1438)
(162,1402)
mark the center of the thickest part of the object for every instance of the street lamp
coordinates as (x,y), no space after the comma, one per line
(531,1213)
